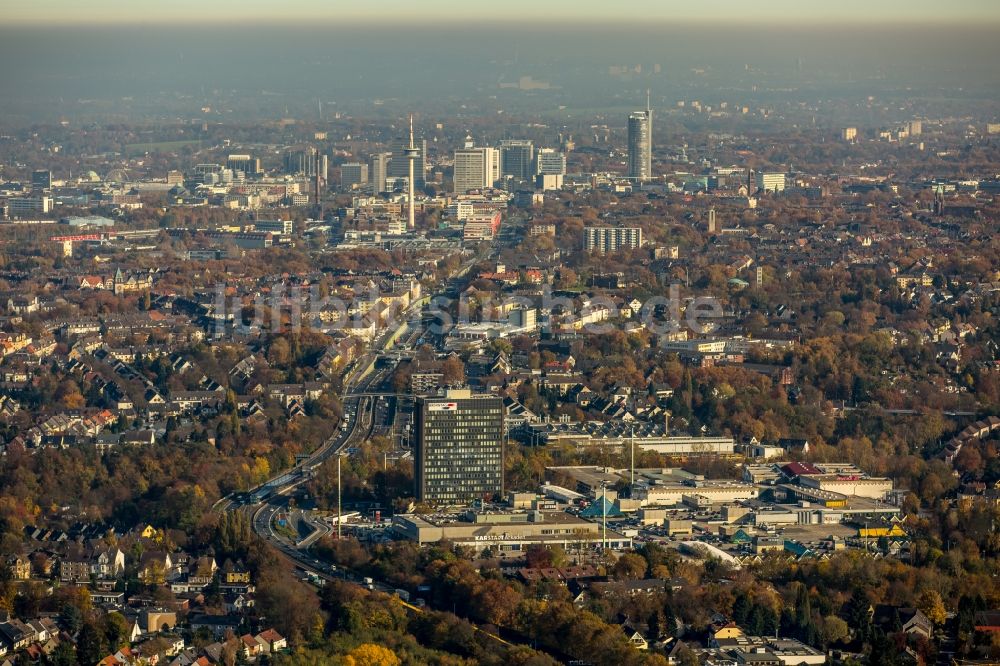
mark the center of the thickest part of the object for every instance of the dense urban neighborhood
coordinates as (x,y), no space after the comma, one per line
(701,382)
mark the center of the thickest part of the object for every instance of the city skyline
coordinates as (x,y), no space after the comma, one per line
(562,12)
(500,334)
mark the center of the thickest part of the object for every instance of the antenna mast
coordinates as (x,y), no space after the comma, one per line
(411,155)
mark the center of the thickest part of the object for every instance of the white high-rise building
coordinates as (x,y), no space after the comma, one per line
(611,239)
(475,168)
(771,181)
(550,162)
(378,171)
(640,144)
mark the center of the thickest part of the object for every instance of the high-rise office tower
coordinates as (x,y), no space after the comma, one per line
(399,165)
(640,144)
(475,168)
(517,158)
(41,179)
(378,171)
(459,452)
(550,162)
(353,173)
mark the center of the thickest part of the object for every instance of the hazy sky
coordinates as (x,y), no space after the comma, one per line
(752,11)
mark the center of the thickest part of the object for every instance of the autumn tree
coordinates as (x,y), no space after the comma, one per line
(629,567)
(369,654)
(91,645)
(453,370)
(930,604)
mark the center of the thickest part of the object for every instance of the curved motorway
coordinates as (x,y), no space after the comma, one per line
(359,414)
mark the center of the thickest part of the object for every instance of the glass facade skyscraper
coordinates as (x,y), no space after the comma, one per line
(640,144)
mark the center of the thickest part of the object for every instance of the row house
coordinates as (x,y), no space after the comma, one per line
(35,636)
(38,350)
(11,343)
(130,354)
(94,424)
(131,282)
(80,327)
(33,533)
(119,283)
(16,635)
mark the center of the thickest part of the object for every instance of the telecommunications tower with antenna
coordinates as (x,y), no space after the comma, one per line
(411,152)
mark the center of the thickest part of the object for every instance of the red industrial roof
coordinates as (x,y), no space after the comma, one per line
(800,469)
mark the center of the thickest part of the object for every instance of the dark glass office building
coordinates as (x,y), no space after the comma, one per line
(41,179)
(459,456)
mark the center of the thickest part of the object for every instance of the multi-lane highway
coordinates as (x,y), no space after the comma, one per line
(367,409)
(321,572)
(364,414)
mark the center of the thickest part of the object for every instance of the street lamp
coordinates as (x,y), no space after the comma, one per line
(339,514)
(631,446)
(604,515)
